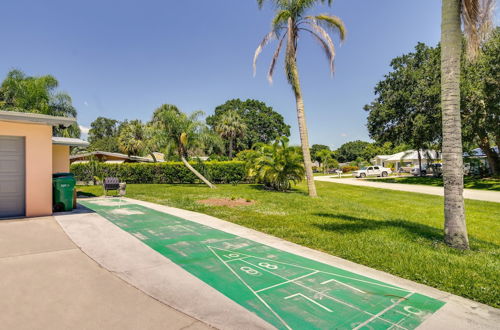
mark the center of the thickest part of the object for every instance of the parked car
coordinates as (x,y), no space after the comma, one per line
(436,169)
(372,171)
(416,170)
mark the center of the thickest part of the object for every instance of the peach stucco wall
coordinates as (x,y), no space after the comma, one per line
(60,159)
(38,164)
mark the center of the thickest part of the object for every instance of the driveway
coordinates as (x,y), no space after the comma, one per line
(47,282)
(481,195)
(232,277)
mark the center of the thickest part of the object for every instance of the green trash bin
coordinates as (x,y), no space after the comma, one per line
(63,186)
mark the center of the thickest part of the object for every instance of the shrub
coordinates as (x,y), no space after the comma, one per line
(277,165)
(169,172)
(349,169)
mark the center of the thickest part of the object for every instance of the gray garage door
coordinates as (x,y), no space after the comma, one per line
(12,176)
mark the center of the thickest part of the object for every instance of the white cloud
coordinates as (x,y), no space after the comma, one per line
(84,130)
(343,134)
(85,103)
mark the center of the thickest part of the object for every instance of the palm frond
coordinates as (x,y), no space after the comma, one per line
(270,36)
(328,53)
(332,23)
(477,17)
(326,37)
(275,59)
(280,19)
(291,57)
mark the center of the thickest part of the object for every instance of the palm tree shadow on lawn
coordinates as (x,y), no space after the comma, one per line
(262,187)
(415,230)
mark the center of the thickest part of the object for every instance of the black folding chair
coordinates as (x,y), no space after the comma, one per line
(111,184)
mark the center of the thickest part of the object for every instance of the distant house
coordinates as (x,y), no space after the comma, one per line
(108,157)
(380,160)
(405,159)
(478,154)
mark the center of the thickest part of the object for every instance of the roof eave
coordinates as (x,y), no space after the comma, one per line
(35,118)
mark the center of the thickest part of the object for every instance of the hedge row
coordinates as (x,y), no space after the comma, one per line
(349,169)
(170,172)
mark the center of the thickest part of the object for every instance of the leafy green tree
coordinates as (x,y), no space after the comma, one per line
(289,22)
(277,165)
(262,122)
(183,133)
(480,91)
(407,109)
(101,128)
(231,127)
(350,151)
(103,134)
(476,18)
(19,92)
(315,148)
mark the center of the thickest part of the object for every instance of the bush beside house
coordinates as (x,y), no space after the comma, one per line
(169,172)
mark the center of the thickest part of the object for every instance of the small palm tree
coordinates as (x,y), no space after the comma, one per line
(132,138)
(277,165)
(231,127)
(175,129)
(476,18)
(289,22)
(326,158)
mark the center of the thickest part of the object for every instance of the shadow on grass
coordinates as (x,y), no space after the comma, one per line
(262,187)
(416,230)
(356,224)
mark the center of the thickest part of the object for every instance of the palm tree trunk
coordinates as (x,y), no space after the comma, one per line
(455,229)
(198,174)
(419,163)
(293,79)
(230,148)
(304,139)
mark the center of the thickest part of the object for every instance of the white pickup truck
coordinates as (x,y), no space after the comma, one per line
(371,171)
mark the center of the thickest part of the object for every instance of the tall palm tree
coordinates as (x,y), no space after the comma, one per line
(476,18)
(175,129)
(231,127)
(289,22)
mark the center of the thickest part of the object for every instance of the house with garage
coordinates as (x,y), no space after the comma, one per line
(29,155)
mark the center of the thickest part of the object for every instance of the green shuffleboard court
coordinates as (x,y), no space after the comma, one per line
(286,290)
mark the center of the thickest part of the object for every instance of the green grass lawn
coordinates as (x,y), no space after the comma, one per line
(471,183)
(393,231)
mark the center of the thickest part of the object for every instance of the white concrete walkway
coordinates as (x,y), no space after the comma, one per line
(482,195)
(47,282)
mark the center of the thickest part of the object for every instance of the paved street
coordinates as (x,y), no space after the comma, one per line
(482,195)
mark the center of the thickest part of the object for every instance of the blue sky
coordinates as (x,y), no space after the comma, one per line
(122,59)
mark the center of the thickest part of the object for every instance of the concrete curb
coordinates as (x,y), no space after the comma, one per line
(154,274)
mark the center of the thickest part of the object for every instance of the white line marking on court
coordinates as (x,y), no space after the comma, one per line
(327,296)
(383,311)
(255,293)
(347,285)
(311,269)
(236,259)
(295,279)
(311,300)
